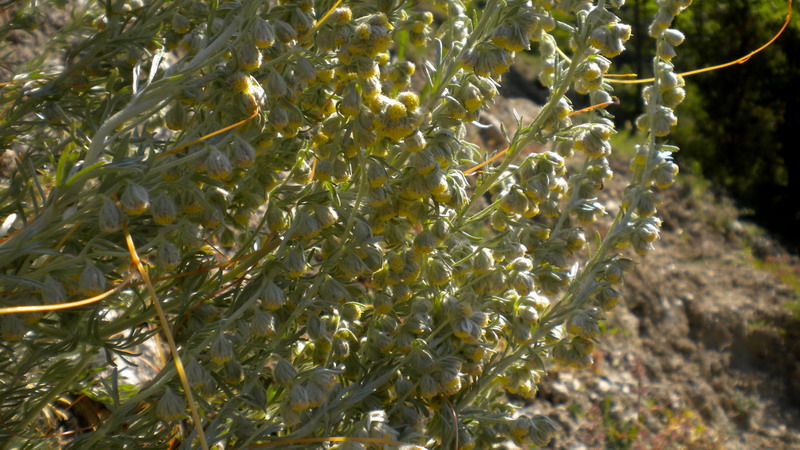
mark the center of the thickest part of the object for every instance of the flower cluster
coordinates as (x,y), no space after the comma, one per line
(295,178)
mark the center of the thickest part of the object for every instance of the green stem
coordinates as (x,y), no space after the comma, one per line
(452,65)
(347,402)
(524,136)
(573,200)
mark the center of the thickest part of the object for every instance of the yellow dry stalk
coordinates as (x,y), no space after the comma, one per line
(741,60)
(213,133)
(67,305)
(321,20)
(315,440)
(198,423)
(473,169)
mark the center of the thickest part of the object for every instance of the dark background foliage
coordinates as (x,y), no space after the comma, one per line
(739,126)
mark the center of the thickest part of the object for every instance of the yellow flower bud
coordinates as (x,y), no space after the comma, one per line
(263,34)
(221,349)
(164,210)
(171,406)
(110,217)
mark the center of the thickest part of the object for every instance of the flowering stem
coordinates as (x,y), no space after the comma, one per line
(452,65)
(525,135)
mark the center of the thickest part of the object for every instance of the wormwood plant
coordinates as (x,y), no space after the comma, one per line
(281,195)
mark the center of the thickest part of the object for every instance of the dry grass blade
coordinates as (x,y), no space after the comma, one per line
(86,301)
(364,440)
(170,339)
(212,134)
(321,20)
(741,60)
(473,169)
